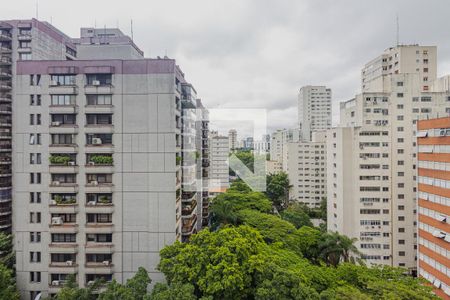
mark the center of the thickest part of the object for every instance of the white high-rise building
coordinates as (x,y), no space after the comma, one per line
(371,159)
(305,164)
(232,139)
(314,110)
(219,169)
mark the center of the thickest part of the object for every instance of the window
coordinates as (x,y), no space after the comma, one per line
(63,100)
(64,119)
(99,238)
(99,119)
(399,118)
(35,237)
(401,229)
(399,83)
(399,95)
(31,119)
(399,129)
(35,178)
(99,99)
(400,162)
(63,237)
(25,56)
(35,197)
(401,253)
(62,139)
(99,79)
(35,217)
(62,80)
(35,158)
(35,257)
(401,218)
(35,79)
(35,277)
(400,106)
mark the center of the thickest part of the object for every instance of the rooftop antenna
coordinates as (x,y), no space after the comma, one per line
(132,30)
(37,9)
(398,30)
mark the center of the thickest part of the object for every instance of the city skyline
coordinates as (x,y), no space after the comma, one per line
(255,54)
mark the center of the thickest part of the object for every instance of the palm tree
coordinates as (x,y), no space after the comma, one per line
(334,248)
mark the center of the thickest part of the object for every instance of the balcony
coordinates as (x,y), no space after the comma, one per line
(5,97)
(5,147)
(99,228)
(5,36)
(5,86)
(188,197)
(63,164)
(63,109)
(5,74)
(63,148)
(63,228)
(24,50)
(24,36)
(57,127)
(67,206)
(189,227)
(104,267)
(5,109)
(100,109)
(5,61)
(63,267)
(99,208)
(55,89)
(189,210)
(99,188)
(63,247)
(100,248)
(99,89)
(63,188)
(99,128)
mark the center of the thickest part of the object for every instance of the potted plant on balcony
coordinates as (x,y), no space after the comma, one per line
(103,200)
(59,159)
(101,159)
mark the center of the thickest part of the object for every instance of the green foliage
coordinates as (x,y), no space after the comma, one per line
(178,160)
(57,159)
(134,289)
(7,256)
(60,201)
(334,248)
(247,158)
(297,217)
(176,291)
(101,159)
(8,290)
(277,189)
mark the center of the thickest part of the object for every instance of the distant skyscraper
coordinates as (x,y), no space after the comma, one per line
(219,168)
(314,110)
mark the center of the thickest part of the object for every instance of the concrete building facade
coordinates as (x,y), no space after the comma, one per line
(219,179)
(100,170)
(314,110)
(305,164)
(433,139)
(21,40)
(372,163)
(232,138)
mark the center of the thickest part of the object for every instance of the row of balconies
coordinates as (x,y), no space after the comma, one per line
(88,109)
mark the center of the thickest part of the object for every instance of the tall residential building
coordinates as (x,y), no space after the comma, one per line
(278,142)
(21,40)
(97,189)
(314,110)
(232,139)
(305,164)
(434,203)
(371,160)
(219,179)
(203,164)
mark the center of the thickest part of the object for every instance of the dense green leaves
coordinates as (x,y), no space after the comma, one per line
(7,257)
(8,289)
(277,189)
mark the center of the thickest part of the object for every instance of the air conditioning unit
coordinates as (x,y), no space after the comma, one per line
(56,123)
(53,82)
(91,163)
(57,221)
(442,132)
(52,202)
(94,182)
(91,203)
(90,282)
(55,282)
(55,183)
(96,141)
(69,263)
(106,262)
(71,163)
(95,82)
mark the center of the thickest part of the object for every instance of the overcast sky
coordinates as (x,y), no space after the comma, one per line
(258,53)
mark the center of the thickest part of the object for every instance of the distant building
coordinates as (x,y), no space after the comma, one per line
(314,110)
(232,139)
(433,153)
(219,179)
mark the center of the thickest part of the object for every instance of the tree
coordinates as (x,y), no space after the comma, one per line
(176,291)
(297,217)
(7,257)
(8,289)
(134,289)
(277,189)
(334,248)
(71,290)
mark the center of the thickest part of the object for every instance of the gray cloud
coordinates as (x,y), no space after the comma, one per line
(258,53)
